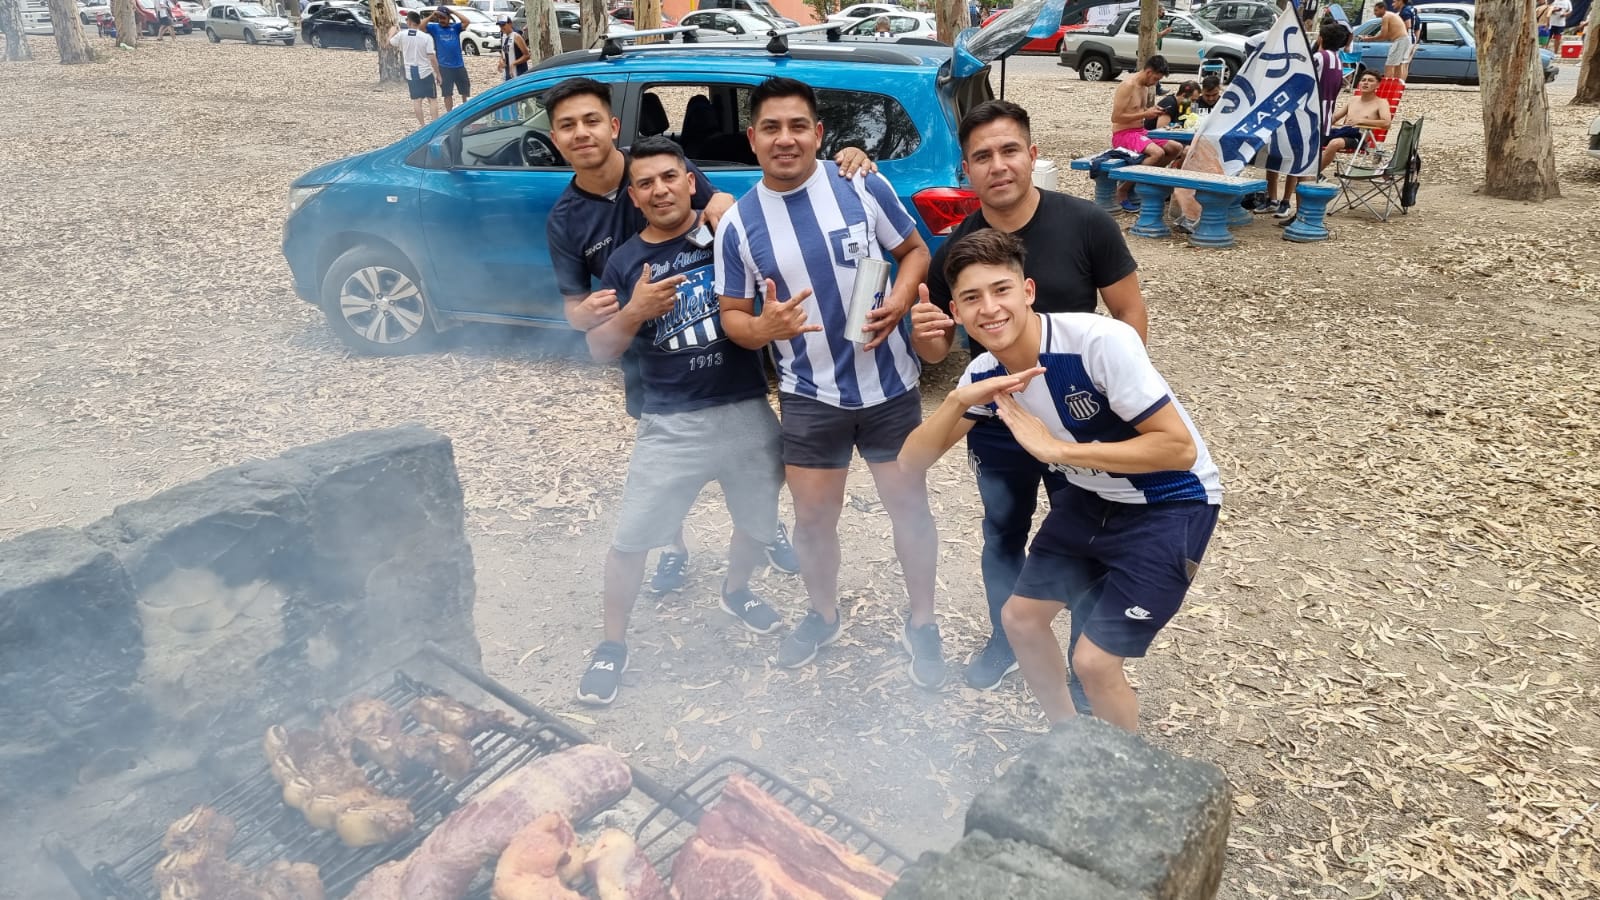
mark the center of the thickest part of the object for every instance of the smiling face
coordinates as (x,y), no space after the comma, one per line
(998,160)
(662,188)
(584,130)
(992,301)
(785,136)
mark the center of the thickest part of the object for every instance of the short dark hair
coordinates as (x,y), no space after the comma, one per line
(414,17)
(1335,36)
(657,145)
(1158,65)
(778,87)
(576,87)
(986,246)
(992,111)
(1210,83)
(1189,87)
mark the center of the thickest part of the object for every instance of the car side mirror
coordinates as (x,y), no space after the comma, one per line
(439,155)
(733,29)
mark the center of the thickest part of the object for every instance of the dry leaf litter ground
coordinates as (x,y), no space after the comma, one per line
(1392,649)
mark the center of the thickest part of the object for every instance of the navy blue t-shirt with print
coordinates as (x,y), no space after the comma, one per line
(686,360)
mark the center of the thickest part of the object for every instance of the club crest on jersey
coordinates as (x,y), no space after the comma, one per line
(1082,405)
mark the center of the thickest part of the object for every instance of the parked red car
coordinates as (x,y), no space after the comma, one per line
(1050,44)
(144,13)
(624,11)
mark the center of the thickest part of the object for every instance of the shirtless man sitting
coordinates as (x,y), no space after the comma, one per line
(1364,109)
(1130,106)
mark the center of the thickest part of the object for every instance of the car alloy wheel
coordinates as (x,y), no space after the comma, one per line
(249,36)
(212,36)
(375,302)
(1092,69)
(316,41)
(470,48)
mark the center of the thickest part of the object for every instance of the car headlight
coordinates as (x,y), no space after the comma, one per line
(299,196)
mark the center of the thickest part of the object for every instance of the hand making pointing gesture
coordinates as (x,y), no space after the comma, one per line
(991,390)
(654,299)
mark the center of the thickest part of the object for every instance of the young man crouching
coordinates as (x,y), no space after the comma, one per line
(1123,539)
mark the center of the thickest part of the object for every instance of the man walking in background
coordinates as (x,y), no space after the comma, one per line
(163,13)
(1393,30)
(513,50)
(421,65)
(446,26)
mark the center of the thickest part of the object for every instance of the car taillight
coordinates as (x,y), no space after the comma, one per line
(944,208)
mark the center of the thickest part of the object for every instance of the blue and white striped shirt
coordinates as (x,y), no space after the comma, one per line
(800,240)
(1098,384)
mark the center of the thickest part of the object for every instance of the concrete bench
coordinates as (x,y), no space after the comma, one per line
(1105,193)
(1219,195)
(1308,225)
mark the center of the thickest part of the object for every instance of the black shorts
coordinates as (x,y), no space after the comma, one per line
(1556,30)
(164,22)
(819,436)
(1124,567)
(1350,133)
(452,79)
(422,88)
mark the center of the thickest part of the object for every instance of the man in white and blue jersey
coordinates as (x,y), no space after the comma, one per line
(1126,534)
(800,233)
(421,64)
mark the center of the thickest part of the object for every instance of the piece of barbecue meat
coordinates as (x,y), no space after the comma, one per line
(619,870)
(376,729)
(532,866)
(330,790)
(451,716)
(196,866)
(576,783)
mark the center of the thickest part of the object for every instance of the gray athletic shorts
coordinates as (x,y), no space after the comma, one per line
(1398,51)
(675,455)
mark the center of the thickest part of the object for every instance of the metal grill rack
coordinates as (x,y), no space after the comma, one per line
(269,830)
(664,832)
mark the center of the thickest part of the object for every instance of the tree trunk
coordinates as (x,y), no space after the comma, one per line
(952,19)
(1519,158)
(127,23)
(591,22)
(1149,24)
(386,19)
(70,42)
(646,14)
(1589,72)
(544,36)
(17,49)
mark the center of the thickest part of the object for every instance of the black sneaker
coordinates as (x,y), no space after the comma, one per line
(927,655)
(598,686)
(781,553)
(811,635)
(669,570)
(1264,206)
(1283,211)
(989,666)
(750,610)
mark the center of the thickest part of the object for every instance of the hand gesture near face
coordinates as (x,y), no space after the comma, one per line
(1025,427)
(654,299)
(785,319)
(929,322)
(992,390)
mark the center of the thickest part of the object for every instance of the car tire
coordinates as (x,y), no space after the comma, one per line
(316,41)
(288,42)
(374,301)
(1230,68)
(249,36)
(213,37)
(188,30)
(1094,67)
(369,43)
(470,48)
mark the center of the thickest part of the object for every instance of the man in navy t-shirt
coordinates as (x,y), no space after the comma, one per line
(705,414)
(446,26)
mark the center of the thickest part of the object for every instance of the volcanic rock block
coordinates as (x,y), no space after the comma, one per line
(1106,801)
(980,866)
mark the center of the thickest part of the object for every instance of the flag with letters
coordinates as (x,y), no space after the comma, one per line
(1272,100)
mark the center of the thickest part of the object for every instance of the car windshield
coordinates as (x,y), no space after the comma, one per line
(252,11)
(1203,26)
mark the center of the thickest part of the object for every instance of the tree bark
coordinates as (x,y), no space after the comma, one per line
(17,49)
(591,22)
(646,15)
(544,37)
(1519,157)
(1149,24)
(951,18)
(70,42)
(1589,71)
(386,19)
(127,23)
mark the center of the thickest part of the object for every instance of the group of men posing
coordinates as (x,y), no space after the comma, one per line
(695,286)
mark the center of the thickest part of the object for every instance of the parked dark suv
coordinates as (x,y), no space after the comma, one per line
(1244,17)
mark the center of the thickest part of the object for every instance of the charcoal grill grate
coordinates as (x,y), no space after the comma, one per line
(664,832)
(269,830)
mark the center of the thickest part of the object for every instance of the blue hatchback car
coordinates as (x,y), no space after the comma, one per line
(448,224)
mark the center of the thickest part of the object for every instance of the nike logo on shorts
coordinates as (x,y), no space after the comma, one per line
(1137,613)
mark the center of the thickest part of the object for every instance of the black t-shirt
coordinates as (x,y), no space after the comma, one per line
(1172,106)
(1074,249)
(686,360)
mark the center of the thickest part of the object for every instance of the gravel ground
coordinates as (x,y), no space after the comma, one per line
(1392,650)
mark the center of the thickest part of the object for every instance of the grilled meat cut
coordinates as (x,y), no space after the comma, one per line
(321,781)
(539,862)
(196,866)
(576,783)
(750,846)
(376,729)
(451,716)
(620,871)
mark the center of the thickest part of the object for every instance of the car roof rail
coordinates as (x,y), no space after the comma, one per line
(778,40)
(615,41)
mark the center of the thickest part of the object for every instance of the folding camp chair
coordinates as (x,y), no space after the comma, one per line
(1364,184)
(1349,65)
(1214,67)
(1372,139)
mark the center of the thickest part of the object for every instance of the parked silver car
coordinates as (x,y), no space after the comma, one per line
(248,22)
(730,25)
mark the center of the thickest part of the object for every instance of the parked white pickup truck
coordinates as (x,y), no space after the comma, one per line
(1101,54)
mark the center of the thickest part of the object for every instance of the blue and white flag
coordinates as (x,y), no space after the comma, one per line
(1272,99)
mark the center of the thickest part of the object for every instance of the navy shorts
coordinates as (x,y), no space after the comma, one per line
(422,88)
(1350,133)
(452,78)
(1124,567)
(819,436)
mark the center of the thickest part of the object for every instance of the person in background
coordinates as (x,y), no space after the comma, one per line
(1174,106)
(801,233)
(880,29)
(421,65)
(163,13)
(1130,106)
(1541,18)
(1392,30)
(1330,83)
(1364,109)
(446,26)
(1559,11)
(1076,255)
(513,51)
(303,5)
(705,417)
(1126,535)
(1210,93)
